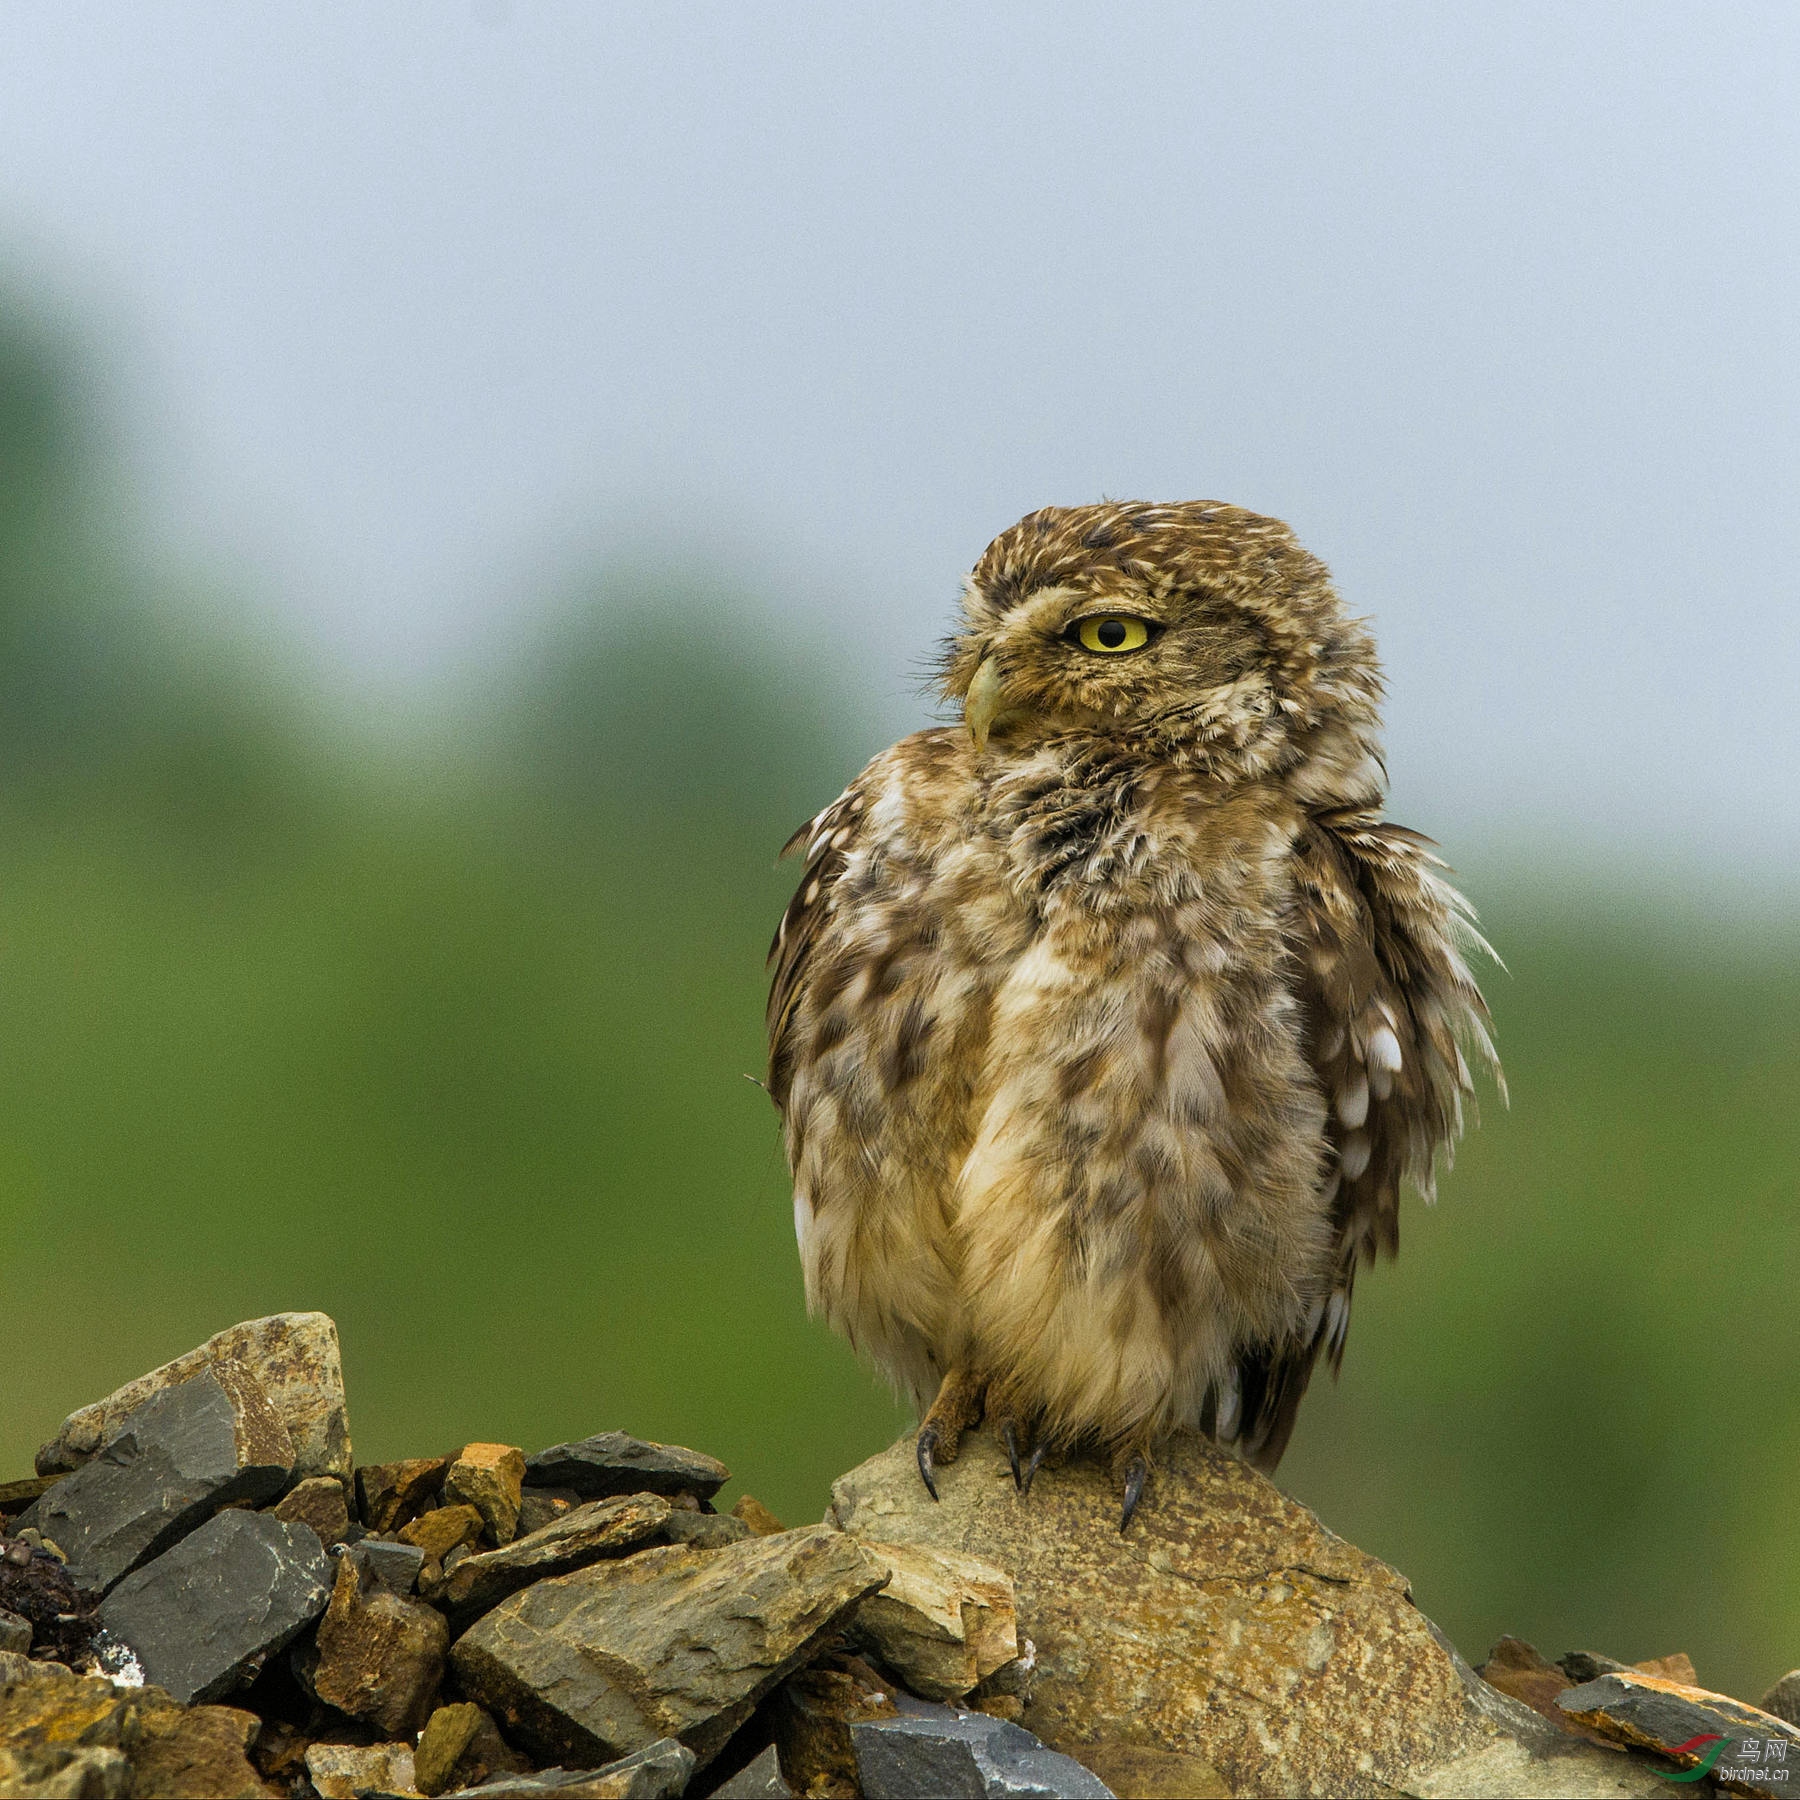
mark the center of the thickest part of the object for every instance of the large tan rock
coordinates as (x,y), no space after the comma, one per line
(293,1356)
(1229,1626)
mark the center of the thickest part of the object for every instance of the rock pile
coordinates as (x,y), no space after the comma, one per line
(202,1594)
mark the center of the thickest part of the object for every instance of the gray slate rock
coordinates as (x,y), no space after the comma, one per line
(172,1463)
(659,1771)
(393,1566)
(759,1779)
(293,1356)
(612,1462)
(205,1616)
(933,1749)
(671,1642)
(15,1633)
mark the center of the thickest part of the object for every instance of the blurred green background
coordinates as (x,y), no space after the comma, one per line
(444,1029)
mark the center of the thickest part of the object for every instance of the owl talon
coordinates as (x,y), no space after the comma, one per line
(1031,1468)
(1009,1436)
(1137,1473)
(928,1441)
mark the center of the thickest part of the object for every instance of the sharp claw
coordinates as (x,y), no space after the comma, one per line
(1010,1438)
(1031,1468)
(1135,1477)
(928,1438)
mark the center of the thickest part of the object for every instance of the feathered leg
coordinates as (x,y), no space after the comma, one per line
(958,1408)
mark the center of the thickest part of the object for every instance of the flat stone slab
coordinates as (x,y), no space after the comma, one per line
(672,1642)
(660,1771)
(293,1356)
(612,1462)
(204,1617)
(172,1462)
(939,1750)
(583,1535)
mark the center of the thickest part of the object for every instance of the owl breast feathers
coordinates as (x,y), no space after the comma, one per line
(1106,1025)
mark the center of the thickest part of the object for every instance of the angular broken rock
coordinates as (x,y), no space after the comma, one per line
(447,1734)
(943,1623)
(1229,1625)
(66,1734)
(671,1642)
(1683,1723)
(380,1657)
(348,1771)
(443,1529)
(660,1771)
(760,1778)
(811,1715)
(389,1495)
(172,1463)
(612,1462)
(205,1616)
(317,1501)
(395,1566)
(488,1478)
(1783,1699)
(293,1356)
(932,1749)
(197,1753)
(602,1528)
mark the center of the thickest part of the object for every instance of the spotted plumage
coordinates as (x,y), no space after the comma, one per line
(1107,1025)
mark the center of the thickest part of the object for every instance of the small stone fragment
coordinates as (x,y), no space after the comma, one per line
(380,1657)
(205,1616)
(612,1462)
(1650,1712)
(933,1749)
(15,1633)
(389,1495)
(599,1529)
(294,1358)
(538,1507)
(446,1736)
(758,1779)
(395,1566)
(317,1501)
(190,1449)
(347,1771)
(761,1521)
(442,1530)
(1783,1699)
(660,1771)
(197,1753)
(703,1531)
(1516,1669)
(488,1477)
(488,1755)
(671,1642)
(943,1622)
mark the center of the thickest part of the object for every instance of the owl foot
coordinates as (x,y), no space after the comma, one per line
(1011,1432)
(957,1408)
(1133,1466)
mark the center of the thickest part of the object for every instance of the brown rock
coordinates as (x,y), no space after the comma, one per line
(488,1477)
(197,1753)
(487,1755)
(293,1356)
(345,1771)
(761,1521)
(671,1642)
(600,1529)
(443,1529)
(943,1623)
(447,1734)
(380,1657)
(1676,1667)
(317,1501)
(812,1713)
(389,1495)
(1515,1668)
(1229,1625)
(539,1507)
(1783,1699)
(1136,1773)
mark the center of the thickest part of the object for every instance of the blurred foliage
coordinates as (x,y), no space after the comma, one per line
(454,1046)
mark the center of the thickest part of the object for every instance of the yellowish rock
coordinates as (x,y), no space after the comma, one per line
(944,1622)
(343,1771)
(489,1478)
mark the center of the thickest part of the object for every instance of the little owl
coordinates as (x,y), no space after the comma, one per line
(1106,1025)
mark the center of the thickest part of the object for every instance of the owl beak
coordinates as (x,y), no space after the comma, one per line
(982,703)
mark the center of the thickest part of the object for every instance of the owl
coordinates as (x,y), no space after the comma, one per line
(1107,1024)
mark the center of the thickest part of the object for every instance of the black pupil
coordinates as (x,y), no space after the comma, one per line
(1111,633)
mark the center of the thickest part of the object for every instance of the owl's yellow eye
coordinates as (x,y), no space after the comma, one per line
(1112,634)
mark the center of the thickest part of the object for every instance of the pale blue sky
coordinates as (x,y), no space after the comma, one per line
(412,303)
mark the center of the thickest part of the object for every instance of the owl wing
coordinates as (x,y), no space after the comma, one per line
(827,839)
(1392,1016)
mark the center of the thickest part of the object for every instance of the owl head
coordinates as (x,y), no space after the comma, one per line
(1195,631)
